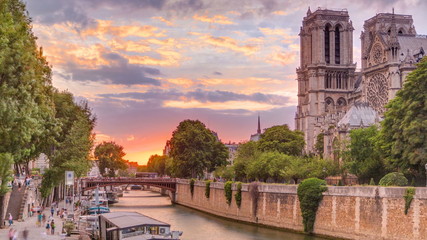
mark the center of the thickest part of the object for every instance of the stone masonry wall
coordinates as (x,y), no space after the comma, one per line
(345,212)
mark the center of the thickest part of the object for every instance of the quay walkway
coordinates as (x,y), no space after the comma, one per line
(35,232)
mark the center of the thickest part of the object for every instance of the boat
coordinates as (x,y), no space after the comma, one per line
(98,210)
(134,226)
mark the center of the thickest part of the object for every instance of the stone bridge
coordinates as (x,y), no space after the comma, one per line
(163,183)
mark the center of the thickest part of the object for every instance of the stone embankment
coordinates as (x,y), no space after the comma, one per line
(345,212)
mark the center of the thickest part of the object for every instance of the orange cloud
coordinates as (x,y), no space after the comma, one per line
(231,44)
(281,13)
(129,46)
(106,28)
(229,105)
(169,23)
(282,58)
(215,19)
(168,58)
(184,82)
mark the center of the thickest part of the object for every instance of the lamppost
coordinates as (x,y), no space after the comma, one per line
(426,174)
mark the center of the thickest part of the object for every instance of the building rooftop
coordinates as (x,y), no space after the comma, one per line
(131,219)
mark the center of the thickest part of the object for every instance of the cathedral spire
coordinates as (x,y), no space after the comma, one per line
(308,11)
(393,42)
(259,126)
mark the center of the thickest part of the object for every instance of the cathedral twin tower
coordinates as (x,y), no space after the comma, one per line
(332,97)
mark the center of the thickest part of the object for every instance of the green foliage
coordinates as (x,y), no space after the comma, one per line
(363,158)
(194,149)
(228,191)
(225,172)
(110,156)
(208,188)
(409,196)
(283,140)
(26,104)
(157,163)
(340,183)
(238,194)
(192,181)
(319,146)
(246,153)
(413,182)
(6,173)
(142,168)
(372,182)
(310,194)
(403,138)
(394,179)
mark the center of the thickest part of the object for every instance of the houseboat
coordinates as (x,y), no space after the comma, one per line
(134,226)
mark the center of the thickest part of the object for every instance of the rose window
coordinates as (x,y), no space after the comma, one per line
(377,92)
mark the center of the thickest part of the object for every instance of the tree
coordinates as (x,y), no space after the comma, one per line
(26,109)
(157,163)
(282,139)
(404,129)
(110,156)
(6,175)
(319,146)
(363,157)
(246,153)
(195,149)
(70,148)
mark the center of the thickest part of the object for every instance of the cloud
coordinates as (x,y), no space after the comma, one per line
(169,23)
(282,58)
(231,44)
(220,19)
(217,73)
(119,71)
(201,96)
(107,28)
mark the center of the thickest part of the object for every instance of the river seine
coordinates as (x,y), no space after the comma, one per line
(197,225)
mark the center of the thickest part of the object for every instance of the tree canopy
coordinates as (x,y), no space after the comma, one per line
(404,129)
(157,163)
(282,139)
(110,156)
(363,157)
(195,149)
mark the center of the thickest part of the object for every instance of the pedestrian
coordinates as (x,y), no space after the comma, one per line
(25,234)
(39,218)
(10,219)
(43,218)
(57,211)
(52,210)
(11,233)
(48,228)
(52,227)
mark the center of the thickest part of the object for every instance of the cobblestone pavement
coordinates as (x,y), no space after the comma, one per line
(35,233)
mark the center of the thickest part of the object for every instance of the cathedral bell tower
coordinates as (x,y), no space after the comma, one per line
(326,73)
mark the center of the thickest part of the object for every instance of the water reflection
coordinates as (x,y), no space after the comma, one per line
(197,225)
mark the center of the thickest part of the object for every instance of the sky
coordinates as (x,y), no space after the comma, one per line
(146,65)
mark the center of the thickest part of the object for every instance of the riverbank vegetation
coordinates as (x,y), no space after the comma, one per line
(35,117)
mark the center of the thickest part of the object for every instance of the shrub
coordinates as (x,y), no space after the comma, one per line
(192,181)
(310,194)
(238,195)
(410,192)
(394,179)
(372,182)
(340,183)
(228,192)
(208,188)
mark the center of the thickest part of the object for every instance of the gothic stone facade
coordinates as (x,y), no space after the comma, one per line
(332,97)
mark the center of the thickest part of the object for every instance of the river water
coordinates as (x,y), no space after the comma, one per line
(197,225)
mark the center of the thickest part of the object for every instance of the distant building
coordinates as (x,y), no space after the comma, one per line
(94,170)
(332,97)
(42,163)
(132,167)
(255,137)
(232,150)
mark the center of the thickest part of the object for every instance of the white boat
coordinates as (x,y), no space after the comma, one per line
(134,226)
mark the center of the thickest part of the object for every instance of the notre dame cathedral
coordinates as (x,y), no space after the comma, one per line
(333,97)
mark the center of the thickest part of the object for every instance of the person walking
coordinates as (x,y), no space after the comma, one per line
(39,218)
(25,234)
(10,219)
(11,233)
(47,228)
(43,218)
(52,210)
(52,227)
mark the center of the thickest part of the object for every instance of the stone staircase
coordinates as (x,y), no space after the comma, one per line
(16,203)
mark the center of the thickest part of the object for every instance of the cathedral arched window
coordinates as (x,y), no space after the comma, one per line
(337,45)
(329,104)
(401,32)
(341,102)
(327,44)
